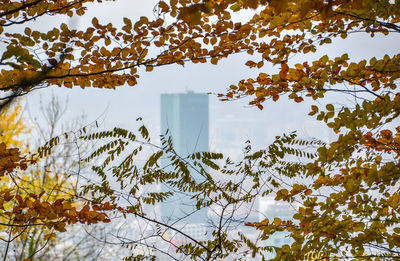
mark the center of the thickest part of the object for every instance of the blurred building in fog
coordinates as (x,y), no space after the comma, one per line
(186,118)
(270,208)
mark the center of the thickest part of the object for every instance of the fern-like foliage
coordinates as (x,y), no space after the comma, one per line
(127,169)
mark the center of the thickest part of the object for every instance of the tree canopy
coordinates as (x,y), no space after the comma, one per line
(347,191)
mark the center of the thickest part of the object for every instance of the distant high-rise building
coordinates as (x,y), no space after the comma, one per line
(185,116)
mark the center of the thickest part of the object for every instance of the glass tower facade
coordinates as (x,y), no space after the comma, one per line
(185,116)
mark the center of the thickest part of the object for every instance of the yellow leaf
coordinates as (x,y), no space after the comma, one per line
(277,221)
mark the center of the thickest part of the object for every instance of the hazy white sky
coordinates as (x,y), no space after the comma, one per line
(124,105)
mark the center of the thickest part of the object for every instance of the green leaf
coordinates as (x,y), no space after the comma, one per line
(236,7)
